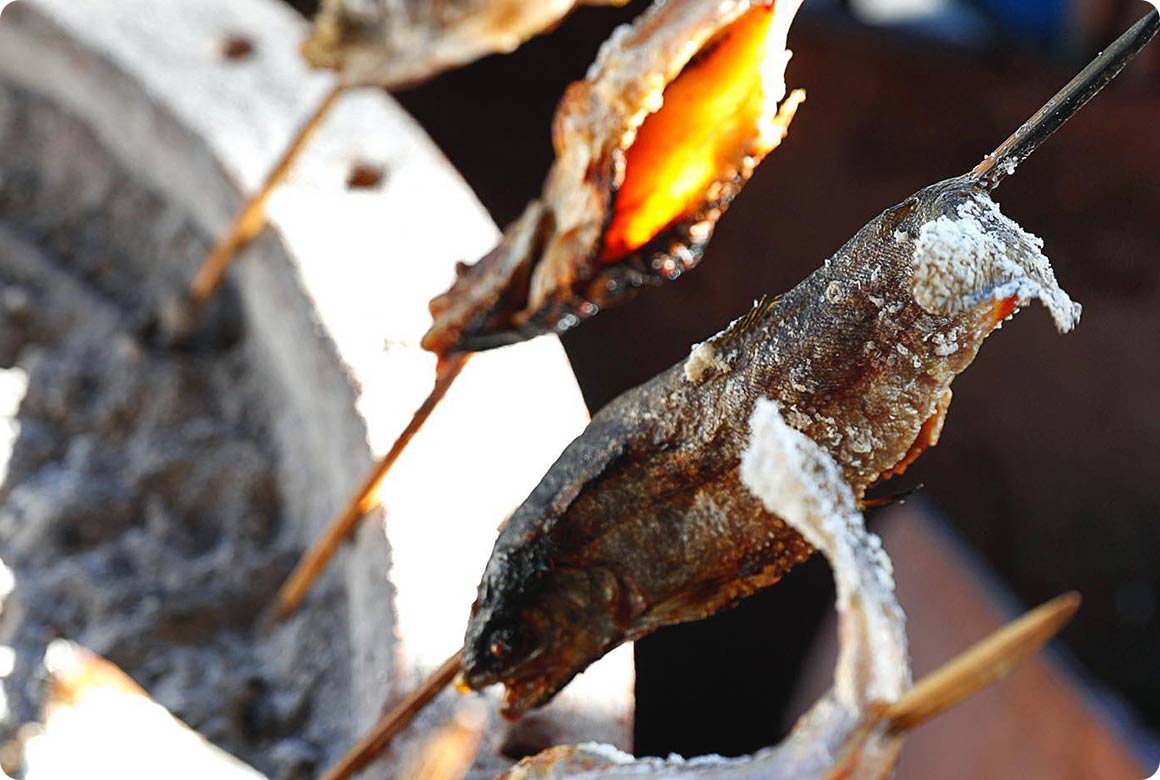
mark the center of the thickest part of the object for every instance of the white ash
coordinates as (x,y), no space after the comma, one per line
(980,255)
(142,514)
(13,388)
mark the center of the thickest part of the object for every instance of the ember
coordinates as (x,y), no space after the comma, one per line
(704,127)
(651,149)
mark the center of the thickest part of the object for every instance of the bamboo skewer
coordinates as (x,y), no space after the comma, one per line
(314,562)
(987,662)
(250,219)
(379,737)
(1002,162)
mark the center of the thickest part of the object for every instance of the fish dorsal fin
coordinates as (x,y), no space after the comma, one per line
(709,358)
(745,323)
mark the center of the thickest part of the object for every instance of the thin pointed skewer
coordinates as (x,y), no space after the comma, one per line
(1002,162)
(985,663)
(379,737)
(251,218)
(314,562)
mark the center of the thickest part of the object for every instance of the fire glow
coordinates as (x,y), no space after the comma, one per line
(704,126)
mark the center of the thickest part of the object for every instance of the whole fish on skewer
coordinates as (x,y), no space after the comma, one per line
(798,480)
(636,524)
(643,521)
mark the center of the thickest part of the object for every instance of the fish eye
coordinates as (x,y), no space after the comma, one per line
(500,648)
(506,643)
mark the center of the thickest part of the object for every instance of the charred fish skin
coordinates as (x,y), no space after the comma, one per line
(652,147)
(643,522)
(676,250)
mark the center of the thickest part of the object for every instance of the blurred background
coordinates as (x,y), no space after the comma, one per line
(1049,467)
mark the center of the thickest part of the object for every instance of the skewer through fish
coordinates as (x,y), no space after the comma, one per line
(643,520)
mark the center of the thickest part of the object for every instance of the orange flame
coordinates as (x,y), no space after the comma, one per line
(707,124)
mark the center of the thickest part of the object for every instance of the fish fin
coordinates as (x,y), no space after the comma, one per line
(747,322)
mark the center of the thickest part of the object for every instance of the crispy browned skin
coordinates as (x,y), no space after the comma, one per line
(651,148)
(642,521)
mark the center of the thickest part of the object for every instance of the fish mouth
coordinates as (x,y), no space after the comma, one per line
(500,652)
(535,679)
(523,695)
(535,635)
(526,687)
(534,684)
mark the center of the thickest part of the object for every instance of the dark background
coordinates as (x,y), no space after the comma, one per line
(1049,465)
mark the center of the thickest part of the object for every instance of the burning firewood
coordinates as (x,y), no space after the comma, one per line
(652,147)
(644,520)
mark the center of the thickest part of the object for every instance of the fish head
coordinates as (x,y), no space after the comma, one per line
(534,627)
